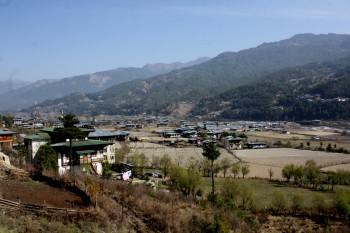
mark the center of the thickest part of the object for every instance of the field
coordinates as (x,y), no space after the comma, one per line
(263,190)
(39,193)
(181,156)
(259,160)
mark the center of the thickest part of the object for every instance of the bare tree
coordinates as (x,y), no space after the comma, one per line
(245,170)
(271,173)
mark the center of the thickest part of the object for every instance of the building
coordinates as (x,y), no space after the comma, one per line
(89,152)
(6,139)
(109,136)
(33,143)
(231,143)
(256,145)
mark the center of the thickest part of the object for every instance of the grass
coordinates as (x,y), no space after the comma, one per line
(263,190)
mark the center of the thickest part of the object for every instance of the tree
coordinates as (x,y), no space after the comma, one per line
(229,192)
(271,173)
(225,165)
(235,169)
(121,153)
(70,132)
(245,170)
(8,120)
(185,180)
(165,163)
(319,203)
(246,194)
(341,203)
(211,152)
(298,174)
(298,200)
(311,172)
(288,171)
(308,144)
(45,159)
(279,201)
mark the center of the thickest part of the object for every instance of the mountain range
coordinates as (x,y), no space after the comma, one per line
(183,91)
(41,90)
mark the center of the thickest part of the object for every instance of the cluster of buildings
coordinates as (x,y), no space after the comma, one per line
(99,146)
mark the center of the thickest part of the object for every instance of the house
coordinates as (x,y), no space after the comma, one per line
(6,139)
(33,143)
(109,136)
(133,126)
(89,152)
(231,143)
(171,134)
(17,121)
(256,145)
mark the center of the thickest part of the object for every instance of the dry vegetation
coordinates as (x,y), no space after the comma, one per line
(117,206)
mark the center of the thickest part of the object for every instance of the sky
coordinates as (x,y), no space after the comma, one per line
(48,39)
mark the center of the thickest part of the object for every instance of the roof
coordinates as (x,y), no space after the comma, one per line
(81,152)
(52,129)
(104,133)
(6,132)
(38,137)
(81,143)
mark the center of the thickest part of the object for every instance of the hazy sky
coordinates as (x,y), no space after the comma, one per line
(43,39)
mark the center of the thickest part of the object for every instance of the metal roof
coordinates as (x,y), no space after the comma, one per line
(38,136)
(83,143)
(6,132)
(104,133)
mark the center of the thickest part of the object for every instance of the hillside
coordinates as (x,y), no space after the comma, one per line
(55,88)
(163,94)
(11,84)
(313,91)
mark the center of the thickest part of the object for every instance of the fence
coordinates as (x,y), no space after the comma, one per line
(7,204)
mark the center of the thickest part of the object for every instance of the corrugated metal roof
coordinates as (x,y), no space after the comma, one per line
(38,136)
(104,133)
(83,143)
(6,132)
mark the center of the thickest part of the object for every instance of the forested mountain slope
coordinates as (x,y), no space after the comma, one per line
(313,91)
(162,94)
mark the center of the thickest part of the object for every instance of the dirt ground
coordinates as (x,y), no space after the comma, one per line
(34,192)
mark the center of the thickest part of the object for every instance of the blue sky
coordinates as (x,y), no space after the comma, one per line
(44,39)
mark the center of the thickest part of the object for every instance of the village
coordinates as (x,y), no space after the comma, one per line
(102,138)
(97,161)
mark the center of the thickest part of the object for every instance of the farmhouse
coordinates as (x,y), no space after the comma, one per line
(6,139)
(231,143)
(83,152)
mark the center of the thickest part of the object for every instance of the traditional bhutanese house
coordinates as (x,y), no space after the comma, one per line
(109,136)
(33,143)
(6,139)
(231,143)
(90,152)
